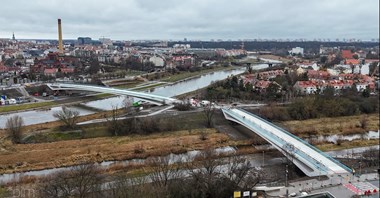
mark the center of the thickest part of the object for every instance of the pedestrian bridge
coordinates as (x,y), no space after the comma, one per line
(155,99)
(309,159)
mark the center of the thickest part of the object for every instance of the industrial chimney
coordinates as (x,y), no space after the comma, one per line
(60,45)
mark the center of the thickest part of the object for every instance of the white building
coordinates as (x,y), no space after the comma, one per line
(157,61)
(297,50)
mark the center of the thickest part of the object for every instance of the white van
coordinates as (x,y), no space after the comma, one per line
(12,101)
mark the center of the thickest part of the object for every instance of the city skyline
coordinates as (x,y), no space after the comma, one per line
(171,20)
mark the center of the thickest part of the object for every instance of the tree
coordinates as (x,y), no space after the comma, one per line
(80,181)
(14,128)
(68,117)
(94,66)
(366,92)
(208,112)
(114,126)
(162,172)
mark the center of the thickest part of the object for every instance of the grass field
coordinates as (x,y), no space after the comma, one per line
(71,152)
(344,125)
(348,145)
(19,107)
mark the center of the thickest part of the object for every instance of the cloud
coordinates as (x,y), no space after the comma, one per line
(193,19)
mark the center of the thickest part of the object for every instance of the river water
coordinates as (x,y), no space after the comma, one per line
(36,117)
(173,158)
(256,161)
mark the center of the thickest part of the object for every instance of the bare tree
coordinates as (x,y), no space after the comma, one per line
(364,121)
(128,105)
(80,181)
(14,128)
(208,112)
(240,173)
(162,171)
(113,125)
(67,116)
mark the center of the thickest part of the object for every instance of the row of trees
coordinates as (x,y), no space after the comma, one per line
(207,175)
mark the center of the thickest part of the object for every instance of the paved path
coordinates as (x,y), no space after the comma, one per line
(336,184)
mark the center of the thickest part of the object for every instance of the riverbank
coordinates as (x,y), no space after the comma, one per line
(24,157)
(95,144)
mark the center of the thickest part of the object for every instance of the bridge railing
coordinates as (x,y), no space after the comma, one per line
(281,142)
(301,140)
(112,91)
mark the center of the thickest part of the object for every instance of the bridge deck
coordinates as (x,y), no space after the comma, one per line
(301,150)
(142,95)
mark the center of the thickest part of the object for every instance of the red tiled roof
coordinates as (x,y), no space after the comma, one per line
(67,70)
(263,84)
(347,54)
(352,61)
(50,71)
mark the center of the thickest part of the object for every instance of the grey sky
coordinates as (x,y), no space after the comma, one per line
(192,19)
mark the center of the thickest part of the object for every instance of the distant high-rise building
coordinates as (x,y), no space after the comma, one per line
(84,40)
(13,37)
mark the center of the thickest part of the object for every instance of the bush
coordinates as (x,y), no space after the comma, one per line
(14,128)
(139,149)
(185,106)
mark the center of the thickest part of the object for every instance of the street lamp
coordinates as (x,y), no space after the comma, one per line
(286,176)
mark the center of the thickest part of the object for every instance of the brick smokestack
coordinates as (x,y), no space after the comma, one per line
(60,44)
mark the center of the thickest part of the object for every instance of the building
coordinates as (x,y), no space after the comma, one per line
(157,61)
(305,87)
(296,51)
(84,40)
(347,54)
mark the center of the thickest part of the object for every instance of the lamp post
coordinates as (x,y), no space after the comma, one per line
(286,176)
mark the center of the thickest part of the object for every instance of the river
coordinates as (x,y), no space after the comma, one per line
(36,117)
(256,161)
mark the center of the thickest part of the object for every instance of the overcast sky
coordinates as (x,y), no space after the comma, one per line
(191,19)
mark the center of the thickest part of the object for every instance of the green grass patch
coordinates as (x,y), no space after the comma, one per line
(127,86)
(26,106)
(95,130)
(149,86)
(102,96)
(54,136)
(4,192)
(188,74)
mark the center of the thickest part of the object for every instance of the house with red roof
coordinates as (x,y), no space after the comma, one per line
(352,61)
(305,87)
(347,54)
(270,74)
(318,75)
(3,68)
(50,71)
